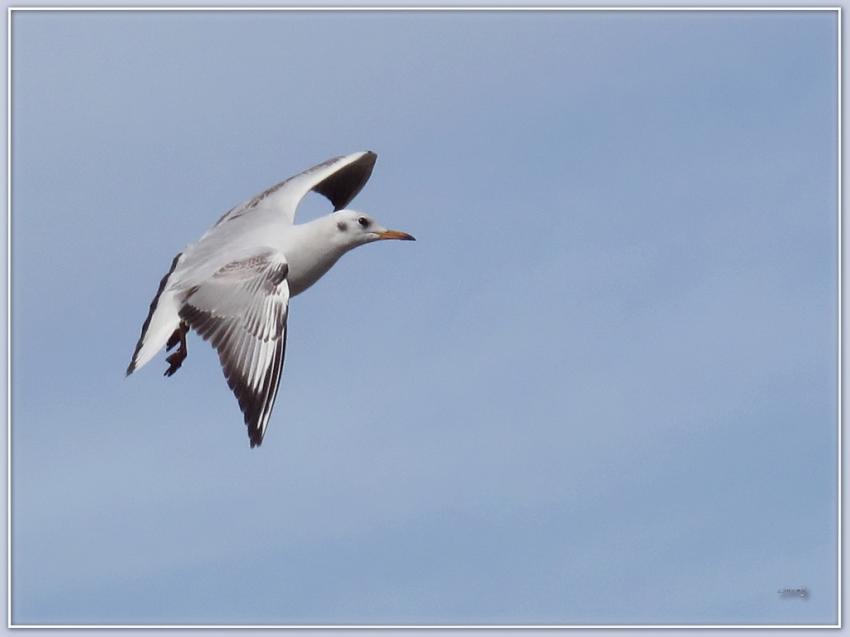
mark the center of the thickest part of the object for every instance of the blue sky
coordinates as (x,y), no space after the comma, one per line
(599,388)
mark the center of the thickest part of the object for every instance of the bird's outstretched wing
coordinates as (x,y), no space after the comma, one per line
(241,310)
(339,179)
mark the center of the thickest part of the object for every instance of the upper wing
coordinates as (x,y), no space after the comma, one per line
(339,179)
(242,311)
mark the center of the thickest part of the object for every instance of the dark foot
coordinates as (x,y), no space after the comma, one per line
(177,358)
(175,361)
(173,340)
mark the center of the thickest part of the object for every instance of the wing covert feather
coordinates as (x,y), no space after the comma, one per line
(339,179)
(242,310)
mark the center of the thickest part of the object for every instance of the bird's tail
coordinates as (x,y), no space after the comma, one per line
(162,320)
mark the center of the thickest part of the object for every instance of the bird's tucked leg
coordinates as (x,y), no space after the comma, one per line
(177,358)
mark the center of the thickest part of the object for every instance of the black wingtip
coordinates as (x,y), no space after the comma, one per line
(130,368)
(341,186)
(368,160)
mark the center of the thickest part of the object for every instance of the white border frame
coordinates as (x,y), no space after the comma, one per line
(377,8)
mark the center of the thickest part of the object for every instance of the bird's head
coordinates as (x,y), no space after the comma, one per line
(356,228)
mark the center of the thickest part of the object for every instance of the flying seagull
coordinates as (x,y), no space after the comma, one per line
(233,286)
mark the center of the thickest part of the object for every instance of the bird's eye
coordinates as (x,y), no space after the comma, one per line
(363,221)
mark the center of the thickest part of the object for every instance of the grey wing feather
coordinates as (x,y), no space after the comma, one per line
(339,179)
(242,310)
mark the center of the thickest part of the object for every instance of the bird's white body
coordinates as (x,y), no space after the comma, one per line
(308,266)
(234,284)
(308,248)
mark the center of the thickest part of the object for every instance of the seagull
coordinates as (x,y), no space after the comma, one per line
(234,284)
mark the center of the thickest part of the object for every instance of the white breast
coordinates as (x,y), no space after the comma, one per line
(310,253)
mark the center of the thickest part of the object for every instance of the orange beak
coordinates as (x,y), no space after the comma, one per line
(396,234)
